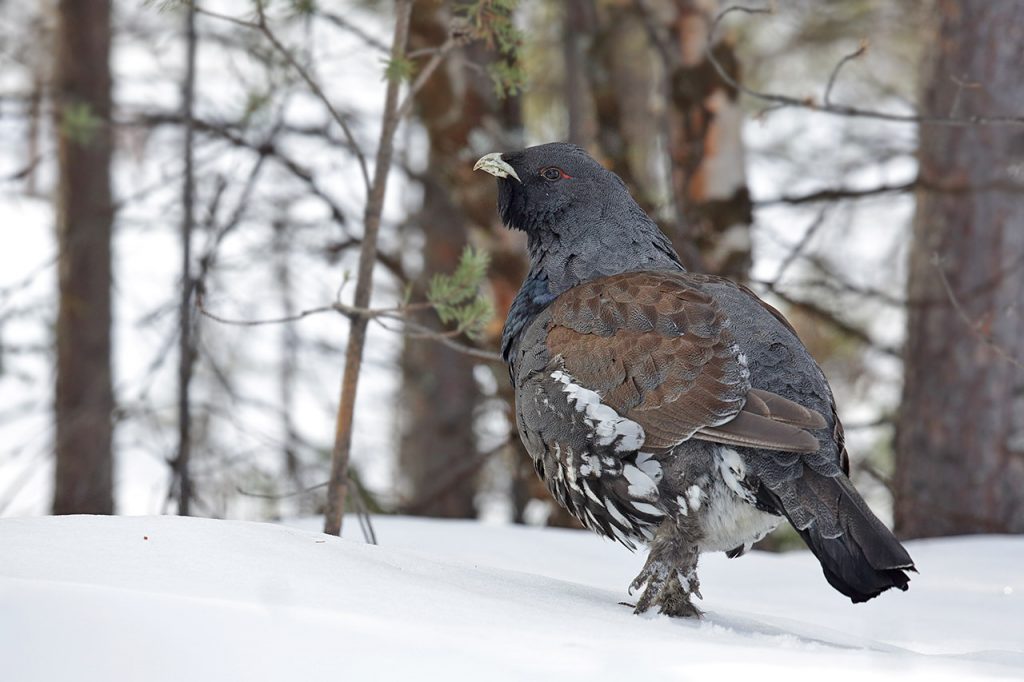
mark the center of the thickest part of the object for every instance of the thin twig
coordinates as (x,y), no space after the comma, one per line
(960,83)
(817,311)
(784,101)
(200,304)
(918,183)
(262,26)
(188,332)
(397,313)
(802,244)
(281,496)
(346,25)
(456,38)
(444,339)
(662,47)
(835,72)
(874,472)
(971,324)
(363,514)
(836,194)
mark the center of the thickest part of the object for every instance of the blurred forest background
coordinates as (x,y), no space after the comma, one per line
(193,212)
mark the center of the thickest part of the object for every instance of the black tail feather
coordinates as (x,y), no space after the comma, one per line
(864,560)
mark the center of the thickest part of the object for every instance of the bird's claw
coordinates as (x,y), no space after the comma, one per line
(668,589)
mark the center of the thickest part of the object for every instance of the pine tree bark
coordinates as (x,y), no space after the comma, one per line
(439,392)
(960,436)
(84,395)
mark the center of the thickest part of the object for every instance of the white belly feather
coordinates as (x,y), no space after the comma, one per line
(729,519)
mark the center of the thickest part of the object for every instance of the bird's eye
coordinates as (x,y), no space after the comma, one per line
(552,173)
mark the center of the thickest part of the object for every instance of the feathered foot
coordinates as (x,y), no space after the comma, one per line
(668,589)
(669,582)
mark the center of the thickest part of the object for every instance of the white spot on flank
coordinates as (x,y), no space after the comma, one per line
(648,509)
(640,484)
(591,466)
(733,471)
(650,466)
(693,494)
(608,426)
(682,505)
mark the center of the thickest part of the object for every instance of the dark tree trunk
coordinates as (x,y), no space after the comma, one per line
(84,397)
(621,71)
(960,438)
(578,28)
(188,340)
(439,392)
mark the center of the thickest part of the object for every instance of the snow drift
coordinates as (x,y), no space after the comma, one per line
(168,598)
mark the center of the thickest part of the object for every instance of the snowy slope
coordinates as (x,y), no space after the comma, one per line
(167,598)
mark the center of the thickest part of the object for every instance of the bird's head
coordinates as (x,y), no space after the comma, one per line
(539,186)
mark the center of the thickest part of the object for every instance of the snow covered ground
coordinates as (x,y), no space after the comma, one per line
(168,598)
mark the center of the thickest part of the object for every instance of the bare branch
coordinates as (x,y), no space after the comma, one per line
(398,314)
(785,101)
(262,26)
(814,310)
(281,496)
(227,132)
(262,322)
(918,183)
(961,84)
(654,34)
(346,25)
(802,244)
(971,324)
(836,194)
(187,330)
(458,36)
(446,339)
(835,72)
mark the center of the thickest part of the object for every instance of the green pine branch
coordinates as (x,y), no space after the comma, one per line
(457,297)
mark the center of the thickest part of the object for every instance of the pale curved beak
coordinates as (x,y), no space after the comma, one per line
(492,163)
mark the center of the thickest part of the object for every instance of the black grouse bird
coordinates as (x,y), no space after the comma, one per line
(667,407)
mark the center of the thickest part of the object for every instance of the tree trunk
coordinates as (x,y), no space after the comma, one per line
(622,71)
(188,339)
(439,392)
(84,396)
(960,437)
(706,146)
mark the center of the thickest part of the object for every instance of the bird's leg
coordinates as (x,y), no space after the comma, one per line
(669,578)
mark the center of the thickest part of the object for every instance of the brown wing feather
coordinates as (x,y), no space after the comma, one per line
(658,350)
(786,411)
(753,431)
